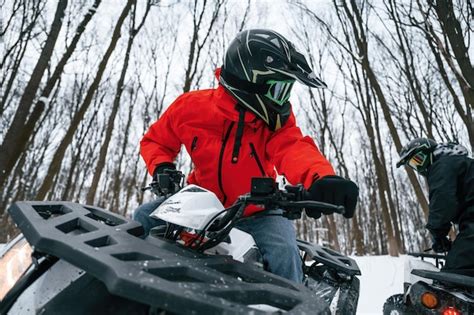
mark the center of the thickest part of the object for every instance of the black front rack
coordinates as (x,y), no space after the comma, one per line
(153,271)
(330,258)
(447,277)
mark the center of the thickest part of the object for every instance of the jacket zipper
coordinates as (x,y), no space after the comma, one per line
(255,155)
(193,144)
(221,158)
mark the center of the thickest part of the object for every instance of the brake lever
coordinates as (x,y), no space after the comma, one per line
(315,205)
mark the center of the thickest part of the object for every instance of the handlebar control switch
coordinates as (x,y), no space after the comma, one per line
(262,186)
(166,183)
(298,193)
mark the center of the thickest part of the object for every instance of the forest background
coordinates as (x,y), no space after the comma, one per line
(81,81)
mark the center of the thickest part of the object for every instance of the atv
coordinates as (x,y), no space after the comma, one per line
(196,219)
(78,259)
(427,290)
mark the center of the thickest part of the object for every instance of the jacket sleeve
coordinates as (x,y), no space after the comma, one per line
(297,157)
(160,144)
(442,181)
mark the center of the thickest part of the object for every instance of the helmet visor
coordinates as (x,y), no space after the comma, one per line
(417,161)
(279,91)
(295,67)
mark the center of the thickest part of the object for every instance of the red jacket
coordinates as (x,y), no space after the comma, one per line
(206,122)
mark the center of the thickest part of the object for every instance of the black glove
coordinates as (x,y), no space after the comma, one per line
(162,183)
(335,190)
(441,244)
(160,169)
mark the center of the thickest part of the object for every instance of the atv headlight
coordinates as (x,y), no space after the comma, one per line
(13,265)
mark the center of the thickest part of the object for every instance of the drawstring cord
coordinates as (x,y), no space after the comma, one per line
(238,135)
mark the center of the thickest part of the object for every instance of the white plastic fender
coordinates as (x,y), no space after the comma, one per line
(192,207)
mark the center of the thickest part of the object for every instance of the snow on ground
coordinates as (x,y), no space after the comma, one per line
(382,276)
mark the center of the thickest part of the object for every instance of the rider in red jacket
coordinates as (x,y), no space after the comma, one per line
(245,128)
(228,147)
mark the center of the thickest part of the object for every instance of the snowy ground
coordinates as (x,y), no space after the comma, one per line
(382,276)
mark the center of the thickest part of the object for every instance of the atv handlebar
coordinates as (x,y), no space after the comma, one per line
(280,200)
(293,200)
(264,192)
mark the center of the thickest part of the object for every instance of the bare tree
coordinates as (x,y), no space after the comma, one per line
(30,13)
(452,29)
(463,72)
(120,84)
(197,43)
(56,162)
(15,140)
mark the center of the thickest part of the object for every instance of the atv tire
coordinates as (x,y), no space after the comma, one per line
(396,306)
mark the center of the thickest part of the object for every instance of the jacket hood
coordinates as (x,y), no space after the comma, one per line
(450,149)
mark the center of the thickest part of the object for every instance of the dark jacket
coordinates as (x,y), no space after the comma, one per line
(451,187)
(451,192)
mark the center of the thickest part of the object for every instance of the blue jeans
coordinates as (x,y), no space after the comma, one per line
(275,237)
(142,215)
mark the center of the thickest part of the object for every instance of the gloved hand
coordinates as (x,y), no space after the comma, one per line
(335,190)
(160,169)
(441,244)
(162,183)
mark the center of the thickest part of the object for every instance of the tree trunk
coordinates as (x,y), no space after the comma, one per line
(466,115)
(363,51)
(110,124)
(333,233)
(116,181)
(14,141)
(19,47)
(196,46)
(60,152)
(452,29)
(358,237)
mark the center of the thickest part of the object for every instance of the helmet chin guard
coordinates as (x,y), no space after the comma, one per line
(259,70)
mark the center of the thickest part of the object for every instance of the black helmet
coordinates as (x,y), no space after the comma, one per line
(259,70)
(418,154)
